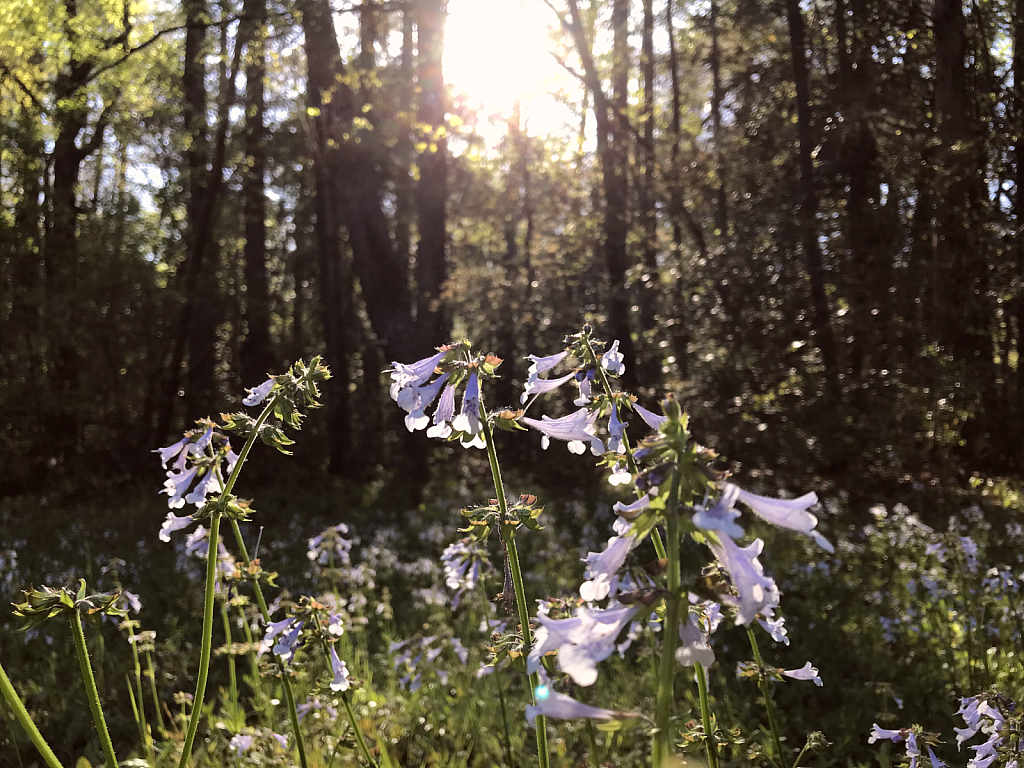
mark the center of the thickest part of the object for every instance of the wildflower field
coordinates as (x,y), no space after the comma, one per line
(668,613)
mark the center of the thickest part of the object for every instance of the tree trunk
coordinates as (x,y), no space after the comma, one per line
(650,281)
(432,320)
(807,212)
(256,355)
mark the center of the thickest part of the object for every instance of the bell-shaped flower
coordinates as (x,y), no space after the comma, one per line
(786,513)
(577,429)
(585,380)
(620,474)
(776,628)
(443,415)
(722,516)
(695,647)
(176,485)
(885,734)
(287,633)
(602,568)
(414,374)
(468,420)
(806,672)
(616,430)
(561,707)
(756,592)
(415,400)
(258,394)
(173,523)
(654,421)
(582,641)
(544,364)
(538,386)
(201,444)
(611,360)
(630,511)
(172,451)
(207,485)
(341,680)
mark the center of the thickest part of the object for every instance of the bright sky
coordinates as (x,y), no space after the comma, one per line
(497,51)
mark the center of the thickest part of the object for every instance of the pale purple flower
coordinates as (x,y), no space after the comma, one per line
(806,672)
(581,641)
(620,474)
(287,633)
(695,647)
(585,382)
(258,394)
(616,430)
(577,429)
(562,707)
(414,374)
(936,763)
(611,360)
(208,484)
(241,744)
(602,568)
(174,523)
(341,681)
(172,451)
(878,732)
(444,414)
(722,516)
(176,485)
(757,592)
(461,561)
(468,420)
(315,704)
(201,444)
(415,400)
(460,650)
(282,740)
(544,364)
(230,460)
(777,629)
(538,386)
(787,513)
(654,421)
(631,509)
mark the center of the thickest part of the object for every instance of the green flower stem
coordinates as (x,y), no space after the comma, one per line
(207,642)
(512,554)
(705,715)
(90,689)
(151,674)
(22,716)
(661,748)
(355,728)
(261,601)
(147,739)
(659,545)
(497,683)
(348,706)
(766,693)
(232,674)
(289,695)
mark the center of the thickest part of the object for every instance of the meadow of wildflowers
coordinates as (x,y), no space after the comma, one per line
(674,614)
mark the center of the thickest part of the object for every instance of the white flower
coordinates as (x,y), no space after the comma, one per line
(806,672)
(173,523)
(785,513)
(602,567)
(577,429)
(444,414)
(611,360)
(176,485)
(757,592)
(582,641)
(695,648)
(258,394)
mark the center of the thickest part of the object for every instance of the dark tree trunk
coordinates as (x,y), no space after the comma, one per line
(323,61)
(256,355)
(614,183)
(1018,200)
(808,199)
(432,320)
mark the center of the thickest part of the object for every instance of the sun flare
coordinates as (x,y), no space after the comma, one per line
(497,53)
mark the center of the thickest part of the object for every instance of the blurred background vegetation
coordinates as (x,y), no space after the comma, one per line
(803,218)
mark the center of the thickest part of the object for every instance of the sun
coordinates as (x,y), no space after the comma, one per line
(497,53)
